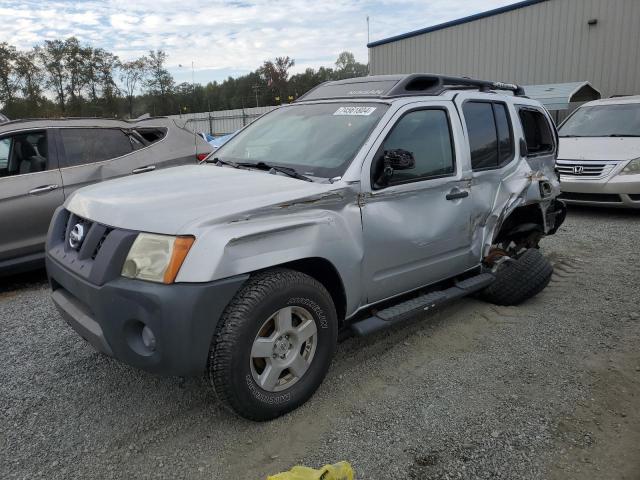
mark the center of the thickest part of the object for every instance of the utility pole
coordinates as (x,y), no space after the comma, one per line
(368,49)
(256,88)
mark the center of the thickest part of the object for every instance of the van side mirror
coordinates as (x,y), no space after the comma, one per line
(524,151)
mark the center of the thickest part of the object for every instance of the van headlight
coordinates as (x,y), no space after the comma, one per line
(156,258)
(632,168)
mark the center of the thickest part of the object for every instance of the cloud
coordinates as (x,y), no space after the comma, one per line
(227,36)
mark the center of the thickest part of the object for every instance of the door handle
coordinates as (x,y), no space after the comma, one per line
(43,189)
(455,194)
(148,168)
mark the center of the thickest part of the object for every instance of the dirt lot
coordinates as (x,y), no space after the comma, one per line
(550,389)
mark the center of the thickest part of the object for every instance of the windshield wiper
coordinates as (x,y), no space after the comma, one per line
(218,161)
(291,172)
(623,135)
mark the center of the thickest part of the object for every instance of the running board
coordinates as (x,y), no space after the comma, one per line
(411,308)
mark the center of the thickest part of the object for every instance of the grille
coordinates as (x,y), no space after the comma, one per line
(587,170)
(592,197)
(635,197)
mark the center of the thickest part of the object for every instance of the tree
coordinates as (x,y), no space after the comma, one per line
(53,55)
(8,84)
(77,64)
(159,81)
(348,67)
(29,74)
(276,73)
(132,75)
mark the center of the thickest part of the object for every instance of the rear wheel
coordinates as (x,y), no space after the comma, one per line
(274,344)
(519,279)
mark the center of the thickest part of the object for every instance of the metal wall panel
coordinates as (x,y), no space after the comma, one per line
(548,42)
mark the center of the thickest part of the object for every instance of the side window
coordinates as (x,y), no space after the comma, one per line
(537,132)
(89,145)
(490,134)
(5,147)
(24,153)
(426,134)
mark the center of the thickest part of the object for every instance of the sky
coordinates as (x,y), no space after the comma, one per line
(227,38)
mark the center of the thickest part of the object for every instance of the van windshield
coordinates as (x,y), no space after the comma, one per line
(317,140)
(603,121)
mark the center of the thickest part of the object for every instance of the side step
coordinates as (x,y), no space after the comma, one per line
(415,306)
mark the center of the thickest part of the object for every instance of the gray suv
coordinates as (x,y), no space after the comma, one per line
(43,161)
(364,204)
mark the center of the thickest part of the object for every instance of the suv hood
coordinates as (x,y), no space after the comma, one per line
(178,200)
(599,148)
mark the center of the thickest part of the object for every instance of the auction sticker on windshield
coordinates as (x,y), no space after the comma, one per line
(355,111)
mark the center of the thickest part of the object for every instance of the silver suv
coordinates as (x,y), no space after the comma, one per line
(360,206)
(42,162)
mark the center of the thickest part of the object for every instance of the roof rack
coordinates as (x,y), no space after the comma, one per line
(435,84)
(390,86)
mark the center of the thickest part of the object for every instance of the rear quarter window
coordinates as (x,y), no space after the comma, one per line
(537,132)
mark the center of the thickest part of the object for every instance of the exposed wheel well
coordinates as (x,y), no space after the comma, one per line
(522,221)
(324,272)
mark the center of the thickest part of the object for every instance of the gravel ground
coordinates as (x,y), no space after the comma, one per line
(549,389)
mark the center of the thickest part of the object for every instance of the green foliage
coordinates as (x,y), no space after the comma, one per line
(67,78)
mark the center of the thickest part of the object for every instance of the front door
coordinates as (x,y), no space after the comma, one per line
(417,222)
(30,191)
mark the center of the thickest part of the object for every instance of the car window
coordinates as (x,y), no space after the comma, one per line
(5,145)
(490,134)
(315,139)
(89,145)
(537,133)
(426,134)
(505,134)
(603,121)
(24,153)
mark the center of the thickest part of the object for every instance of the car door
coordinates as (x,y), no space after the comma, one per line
(90,155)
(30,191)
(488,126)
(417,226)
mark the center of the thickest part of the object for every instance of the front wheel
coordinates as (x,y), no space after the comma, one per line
(274,344)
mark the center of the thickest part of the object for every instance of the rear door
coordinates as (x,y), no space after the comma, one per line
(488,126)
(30,191)
(90,155)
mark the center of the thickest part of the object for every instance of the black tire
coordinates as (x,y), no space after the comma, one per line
(230,368)
(520,279)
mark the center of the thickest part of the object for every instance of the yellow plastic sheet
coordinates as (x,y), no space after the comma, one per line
(337,471)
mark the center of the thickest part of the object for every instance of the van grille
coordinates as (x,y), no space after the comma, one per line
(586,170)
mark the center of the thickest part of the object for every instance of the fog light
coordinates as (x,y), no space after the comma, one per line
(148,338)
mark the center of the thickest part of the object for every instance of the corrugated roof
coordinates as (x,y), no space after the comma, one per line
(453,23)
(557,96)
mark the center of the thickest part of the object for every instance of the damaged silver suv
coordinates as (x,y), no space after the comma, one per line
(360,206)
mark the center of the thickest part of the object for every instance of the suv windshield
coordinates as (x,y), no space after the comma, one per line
(314,139)
(603,121)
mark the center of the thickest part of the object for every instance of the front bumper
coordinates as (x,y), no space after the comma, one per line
(618,191)
(182,317)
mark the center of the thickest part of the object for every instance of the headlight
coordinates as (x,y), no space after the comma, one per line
(156,258)
(632,168)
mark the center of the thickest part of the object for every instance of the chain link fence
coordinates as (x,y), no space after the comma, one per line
(222,122)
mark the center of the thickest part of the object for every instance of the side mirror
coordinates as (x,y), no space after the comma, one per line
(392,160)
(399,159)
(524,151)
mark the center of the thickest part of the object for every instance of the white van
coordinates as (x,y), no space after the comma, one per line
(599,155)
